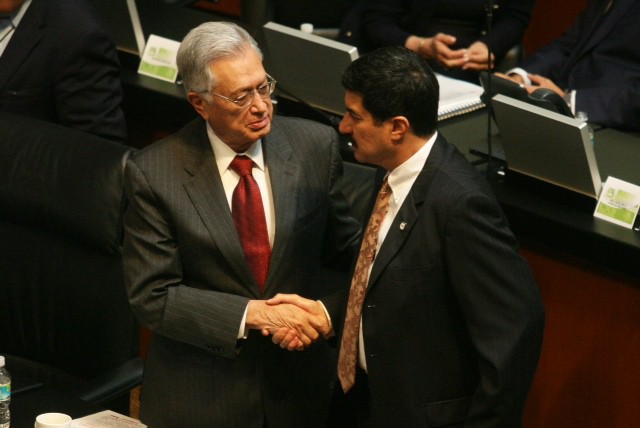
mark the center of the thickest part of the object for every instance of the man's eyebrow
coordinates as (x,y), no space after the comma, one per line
(250,88)
(352,112)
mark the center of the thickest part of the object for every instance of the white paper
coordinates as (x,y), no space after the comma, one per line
(618,203)
(457,97)
(106,419)
(159,59)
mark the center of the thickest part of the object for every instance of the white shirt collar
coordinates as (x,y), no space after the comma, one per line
(225,154)
(402,178)
(17,15)
(5,29)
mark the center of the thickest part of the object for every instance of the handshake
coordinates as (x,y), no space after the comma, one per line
(293,321)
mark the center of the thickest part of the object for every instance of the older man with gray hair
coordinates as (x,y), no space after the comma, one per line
(237,206)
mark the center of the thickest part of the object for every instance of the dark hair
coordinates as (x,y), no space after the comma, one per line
(394,81)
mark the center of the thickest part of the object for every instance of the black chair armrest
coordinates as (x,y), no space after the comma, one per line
(114,383)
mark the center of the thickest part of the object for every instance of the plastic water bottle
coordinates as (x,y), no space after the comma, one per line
(5,395)
(582,115)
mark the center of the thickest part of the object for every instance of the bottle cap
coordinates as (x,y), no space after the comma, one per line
(306,28)
(1,361)
(582,115)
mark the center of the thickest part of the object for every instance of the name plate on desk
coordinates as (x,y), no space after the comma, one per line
(159,59)
(618,203)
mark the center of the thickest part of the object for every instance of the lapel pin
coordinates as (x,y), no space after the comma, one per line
(403,225)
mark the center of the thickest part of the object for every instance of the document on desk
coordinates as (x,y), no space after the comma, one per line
(159,59)
(457,97)
(619,202)
(106,419)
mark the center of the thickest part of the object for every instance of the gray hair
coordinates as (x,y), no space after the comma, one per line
(206,43)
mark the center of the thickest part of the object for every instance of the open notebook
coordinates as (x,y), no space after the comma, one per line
(457,97)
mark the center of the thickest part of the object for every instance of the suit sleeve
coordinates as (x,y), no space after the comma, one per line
(88,92)
(154,279)
(343,229)
(616,106)
(501,306)
(550,60)
(341,240)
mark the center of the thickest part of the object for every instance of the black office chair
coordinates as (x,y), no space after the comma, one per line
(65,321)
(325,15)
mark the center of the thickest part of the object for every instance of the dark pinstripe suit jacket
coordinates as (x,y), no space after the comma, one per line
(452,318)
(188,280)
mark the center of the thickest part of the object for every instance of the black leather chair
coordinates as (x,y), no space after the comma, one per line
(64,317)
(325,15)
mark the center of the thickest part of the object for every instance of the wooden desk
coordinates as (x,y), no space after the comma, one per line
(554,218)
(588,271)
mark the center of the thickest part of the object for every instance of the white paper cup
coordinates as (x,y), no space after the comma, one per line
(53,420)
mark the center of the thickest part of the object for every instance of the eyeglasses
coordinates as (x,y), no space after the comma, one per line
(245,99)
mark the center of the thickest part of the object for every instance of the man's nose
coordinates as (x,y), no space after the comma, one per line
(345,126)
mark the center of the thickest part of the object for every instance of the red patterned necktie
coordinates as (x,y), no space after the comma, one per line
(248,215)
(351,329)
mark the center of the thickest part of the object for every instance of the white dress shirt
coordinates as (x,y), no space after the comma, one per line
(224,156)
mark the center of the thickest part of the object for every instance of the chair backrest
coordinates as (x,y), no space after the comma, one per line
(64,314)
(323,14)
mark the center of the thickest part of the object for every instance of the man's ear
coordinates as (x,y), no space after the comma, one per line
(399,127)
(199,104)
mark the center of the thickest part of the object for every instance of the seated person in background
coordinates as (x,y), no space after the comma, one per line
(58,63)
(451,33)
(595,65)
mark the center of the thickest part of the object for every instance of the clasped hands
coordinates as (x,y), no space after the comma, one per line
(475,57)
(293,321)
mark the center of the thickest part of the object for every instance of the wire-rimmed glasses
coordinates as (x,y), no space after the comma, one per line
(264,91)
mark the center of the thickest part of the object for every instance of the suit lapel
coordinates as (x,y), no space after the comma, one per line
(206,192)
(408,214)
(284,176)
(26,38)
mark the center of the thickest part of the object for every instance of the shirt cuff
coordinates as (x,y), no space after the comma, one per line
(326,312)
(243,331)
(522,73)
(570,99)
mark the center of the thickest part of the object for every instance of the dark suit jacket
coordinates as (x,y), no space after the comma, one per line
(188,280)
(61,66)
(391,22)
(601,60)
(452,318)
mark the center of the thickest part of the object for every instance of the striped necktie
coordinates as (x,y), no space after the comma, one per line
(248,215)
(349,345)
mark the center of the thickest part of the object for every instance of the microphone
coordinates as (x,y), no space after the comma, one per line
(489,8)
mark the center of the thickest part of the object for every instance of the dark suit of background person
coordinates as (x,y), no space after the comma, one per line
(452,318)
(61,66)
(188,279)
(599,58)
(392,22)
